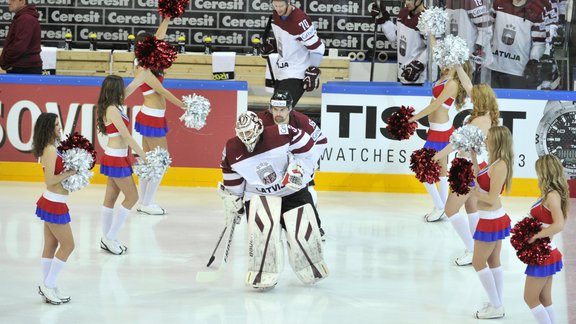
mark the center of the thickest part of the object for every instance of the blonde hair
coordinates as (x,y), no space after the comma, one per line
(461,95)
(551,177)
(484,101)
(500,146)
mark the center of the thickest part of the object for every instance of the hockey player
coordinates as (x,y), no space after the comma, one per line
(281,112)
(299,48)
(471,20)
(410,41)
(269,169)
(518,43)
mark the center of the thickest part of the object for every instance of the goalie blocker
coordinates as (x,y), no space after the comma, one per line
(265,245)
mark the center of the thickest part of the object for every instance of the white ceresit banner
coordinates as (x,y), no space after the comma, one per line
(354,122)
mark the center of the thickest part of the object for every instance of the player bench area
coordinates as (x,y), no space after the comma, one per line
(198,66)
(248,68)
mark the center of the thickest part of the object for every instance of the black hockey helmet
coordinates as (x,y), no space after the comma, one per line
(281,98)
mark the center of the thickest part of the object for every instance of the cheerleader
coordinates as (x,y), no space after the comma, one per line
(494,224)
(52,208)
(447,92)
(151,123)
(551,210)
(485,114)
(115,163)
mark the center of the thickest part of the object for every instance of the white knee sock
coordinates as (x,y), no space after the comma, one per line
(498,274)
(540,314)
(487,280)
(142,186)
(46,264)
(443,188)
(148,197)
(551,313)
(119,220)
(107,216)
(473,219)
(433,192)
(55,269)
(460,224)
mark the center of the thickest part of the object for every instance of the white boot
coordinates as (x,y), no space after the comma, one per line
(49,295)
(489,312)
(151,209)
(111,246)
(465,259)
(435,215)
(62,296)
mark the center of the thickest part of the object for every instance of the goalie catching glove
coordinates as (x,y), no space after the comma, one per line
(311,78)
(233,205)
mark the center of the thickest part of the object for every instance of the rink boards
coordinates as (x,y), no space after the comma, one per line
(361,156)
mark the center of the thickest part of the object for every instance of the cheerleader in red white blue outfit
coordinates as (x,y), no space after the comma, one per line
(447,92)
(494,223)
(551,210)
(485,114)
(115,164)
(151,123)
(52,208)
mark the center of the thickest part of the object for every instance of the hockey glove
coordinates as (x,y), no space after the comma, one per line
(311,78)
(267,49)
(412,71)
(233,205)
(293,179)
(478,55)
(381,16)
(531,71)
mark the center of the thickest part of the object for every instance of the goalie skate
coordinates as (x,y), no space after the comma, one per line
(305,244)
(265,250)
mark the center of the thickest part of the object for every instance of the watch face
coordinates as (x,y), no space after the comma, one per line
(556,134)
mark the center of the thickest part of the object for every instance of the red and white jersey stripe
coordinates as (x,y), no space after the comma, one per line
(260,172)
(296,40)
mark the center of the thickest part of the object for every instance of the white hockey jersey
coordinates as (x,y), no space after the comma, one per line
(260,172)
(296,38)
(470,20)
(518,36)
(411,44)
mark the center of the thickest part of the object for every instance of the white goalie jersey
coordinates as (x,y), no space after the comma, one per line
(261,172)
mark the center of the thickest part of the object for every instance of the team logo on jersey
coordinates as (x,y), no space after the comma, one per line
(402,46)
(266,173)
(453,27)
(283,129)
(509,34)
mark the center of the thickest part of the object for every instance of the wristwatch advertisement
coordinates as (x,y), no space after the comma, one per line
(556,134)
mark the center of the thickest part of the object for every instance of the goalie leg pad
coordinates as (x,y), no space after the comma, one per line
(305,252)
(265,249)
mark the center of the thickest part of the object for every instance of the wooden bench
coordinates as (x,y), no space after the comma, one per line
(196,66)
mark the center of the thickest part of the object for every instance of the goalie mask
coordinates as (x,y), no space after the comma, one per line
(248,129)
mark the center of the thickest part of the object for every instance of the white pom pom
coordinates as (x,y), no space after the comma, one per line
(157,162)
(468,138)
(80,160)
(433,21)
(197,109)
(451,51)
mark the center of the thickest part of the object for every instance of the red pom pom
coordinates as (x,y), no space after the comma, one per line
(426,169)
(155,54)
(172,8)
(460,176)
(398,125)
(78,141)
(532,254)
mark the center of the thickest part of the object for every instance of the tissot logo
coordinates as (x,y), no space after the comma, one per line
(376,127)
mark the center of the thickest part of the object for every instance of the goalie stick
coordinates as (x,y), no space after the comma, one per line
(210,276)
(213,257)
